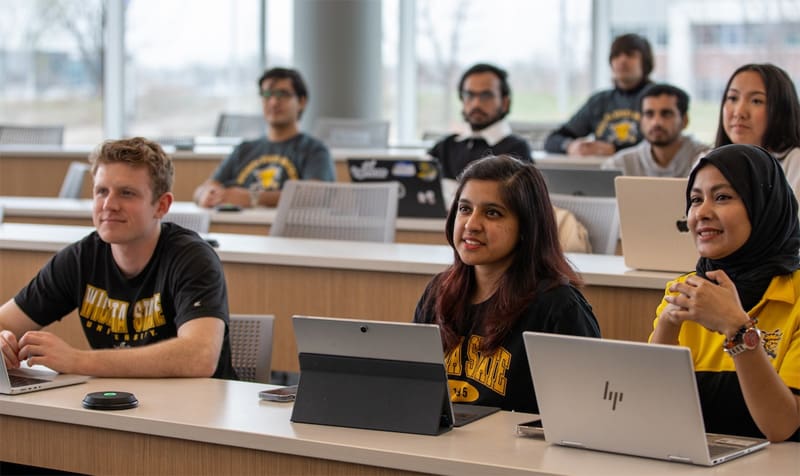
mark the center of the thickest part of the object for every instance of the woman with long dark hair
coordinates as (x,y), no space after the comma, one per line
(760,107)
(509,276)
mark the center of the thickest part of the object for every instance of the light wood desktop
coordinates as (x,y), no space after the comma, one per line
(380,281)
(207,426)
(254,221)
(37,171)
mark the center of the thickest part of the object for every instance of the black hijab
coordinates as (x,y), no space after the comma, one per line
(774,242)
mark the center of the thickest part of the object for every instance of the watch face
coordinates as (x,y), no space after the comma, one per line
(751,338)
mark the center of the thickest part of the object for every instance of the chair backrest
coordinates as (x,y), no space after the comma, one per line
(72,185)
(251,345)
(534,132)
(246,126)
(337,211)
(598,214)
(198,222)
(32,135)
(434,136)
(339,132)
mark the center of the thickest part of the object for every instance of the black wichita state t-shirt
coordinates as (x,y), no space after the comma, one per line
(503,379)
(183,281)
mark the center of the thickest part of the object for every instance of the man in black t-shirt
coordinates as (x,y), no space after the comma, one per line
(151,297)
(254,174)
(486,101)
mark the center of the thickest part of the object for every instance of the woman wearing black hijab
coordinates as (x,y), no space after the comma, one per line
(740,311)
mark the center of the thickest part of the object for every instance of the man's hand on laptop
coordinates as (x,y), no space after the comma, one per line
(9,348)
(46,348)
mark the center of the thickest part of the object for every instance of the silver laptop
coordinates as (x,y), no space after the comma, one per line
(653,229)
(30,379)
(625,397)
(583,182)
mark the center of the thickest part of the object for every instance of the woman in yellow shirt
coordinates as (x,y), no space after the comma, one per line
(740,311)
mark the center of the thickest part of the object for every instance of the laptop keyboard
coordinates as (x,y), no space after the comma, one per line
(17,381)
(718,450)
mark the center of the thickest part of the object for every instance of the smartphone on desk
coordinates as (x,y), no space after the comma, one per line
(531,428)
(280,394)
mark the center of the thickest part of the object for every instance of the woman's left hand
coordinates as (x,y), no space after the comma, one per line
(713,305)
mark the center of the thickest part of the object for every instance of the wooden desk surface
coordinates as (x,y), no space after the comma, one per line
(254,221)
(21,167)
(381,281)
(207,426)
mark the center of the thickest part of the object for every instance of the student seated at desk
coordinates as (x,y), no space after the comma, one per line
(760,107)
(151,297)
(509,276)
(255,172)
(739,312)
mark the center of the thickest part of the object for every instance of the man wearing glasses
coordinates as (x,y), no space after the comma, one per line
(255,171)
(486,98)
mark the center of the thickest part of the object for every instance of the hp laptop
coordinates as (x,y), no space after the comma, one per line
(25,379)
(351,370)
(625,397)
(585,182)
(652,215)
(420,183)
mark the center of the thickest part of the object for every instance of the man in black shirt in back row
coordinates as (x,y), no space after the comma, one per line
(486,98)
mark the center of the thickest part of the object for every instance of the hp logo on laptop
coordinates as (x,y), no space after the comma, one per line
(614,397)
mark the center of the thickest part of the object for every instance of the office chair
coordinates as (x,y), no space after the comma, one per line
(198,222)
(72,186)
(434,136)
(337,211)
(534,132)
(32,135)
(363,133)
(246,126)
(251,346)
(598,214)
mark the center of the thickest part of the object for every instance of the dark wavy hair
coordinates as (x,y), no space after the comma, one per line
(783,109)
(629,43)
(539,262)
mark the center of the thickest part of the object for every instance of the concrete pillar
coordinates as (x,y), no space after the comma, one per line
(337,49)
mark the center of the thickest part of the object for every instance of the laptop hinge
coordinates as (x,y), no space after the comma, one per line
(574,444)
(679,459)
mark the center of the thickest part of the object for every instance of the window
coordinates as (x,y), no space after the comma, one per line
(187,61)
(51,66)
(543,45)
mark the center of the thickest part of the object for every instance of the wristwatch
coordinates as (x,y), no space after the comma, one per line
(747,338)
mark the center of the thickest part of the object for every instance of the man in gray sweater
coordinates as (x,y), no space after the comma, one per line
(666,151)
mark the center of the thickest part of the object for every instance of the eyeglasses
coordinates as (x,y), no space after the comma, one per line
(481,96)
(279,94)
